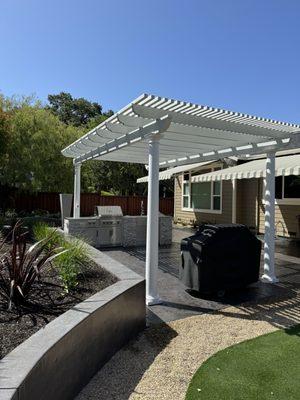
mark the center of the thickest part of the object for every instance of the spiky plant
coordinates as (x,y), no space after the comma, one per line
(21,266)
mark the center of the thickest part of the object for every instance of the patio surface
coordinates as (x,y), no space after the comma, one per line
(177,303)
(159,364)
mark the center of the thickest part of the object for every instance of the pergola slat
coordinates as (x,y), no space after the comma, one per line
(194,129)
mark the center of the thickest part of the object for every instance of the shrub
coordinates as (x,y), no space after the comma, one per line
(69,264)
(21,266)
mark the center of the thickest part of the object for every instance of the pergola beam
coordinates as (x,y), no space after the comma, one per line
(157,126)
(247,150)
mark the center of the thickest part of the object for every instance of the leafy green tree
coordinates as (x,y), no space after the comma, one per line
(73,111)
(93,122)
(32,158)
(117,177)
(31,139)
(4,129)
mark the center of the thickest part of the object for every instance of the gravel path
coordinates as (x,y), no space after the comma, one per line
(161,362)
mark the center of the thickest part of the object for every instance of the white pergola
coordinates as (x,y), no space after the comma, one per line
(166,133)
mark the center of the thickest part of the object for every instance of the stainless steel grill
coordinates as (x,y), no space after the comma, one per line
(110,225)
(105,211)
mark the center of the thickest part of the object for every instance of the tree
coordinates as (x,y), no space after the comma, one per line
(32,158)
(4,128)
(93,122)
(117,177)
(31,139)
(73,111)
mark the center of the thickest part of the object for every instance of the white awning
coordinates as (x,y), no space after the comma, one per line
(288,165)
(190,133)
(169,173)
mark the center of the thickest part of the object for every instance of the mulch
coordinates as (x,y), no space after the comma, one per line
(47,301)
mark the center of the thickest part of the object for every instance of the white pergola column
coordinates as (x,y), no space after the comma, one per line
(233,214)
(269,275)
(77,170)
(152,223)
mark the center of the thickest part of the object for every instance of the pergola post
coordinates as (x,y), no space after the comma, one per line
(152,223)
(233,213)
(269,275)
(77,173)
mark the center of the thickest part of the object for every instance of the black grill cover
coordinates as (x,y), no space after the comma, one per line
(220,257)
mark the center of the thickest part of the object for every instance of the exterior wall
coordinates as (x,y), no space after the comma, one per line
(247,202)
(191,217)
(250,209)
(287,222)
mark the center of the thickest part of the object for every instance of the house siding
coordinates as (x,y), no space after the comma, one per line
(250,209)
(247,202)
(286,220)
(191,217)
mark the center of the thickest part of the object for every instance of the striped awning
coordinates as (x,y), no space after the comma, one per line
(169,173)
(288,165)
(190,133)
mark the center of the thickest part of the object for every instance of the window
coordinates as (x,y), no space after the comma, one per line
(287,187)
(186,191)
(216,195)
(201,196)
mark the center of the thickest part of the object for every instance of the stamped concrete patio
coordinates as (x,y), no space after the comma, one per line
(178,304)
(160,363)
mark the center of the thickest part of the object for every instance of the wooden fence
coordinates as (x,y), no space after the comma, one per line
(131,205)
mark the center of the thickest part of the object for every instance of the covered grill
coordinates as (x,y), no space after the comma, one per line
(220,257)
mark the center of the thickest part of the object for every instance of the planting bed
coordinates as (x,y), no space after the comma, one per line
(46,301)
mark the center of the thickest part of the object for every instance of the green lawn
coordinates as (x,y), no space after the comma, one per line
(267,367)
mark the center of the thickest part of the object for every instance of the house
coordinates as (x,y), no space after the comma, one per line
(215,200)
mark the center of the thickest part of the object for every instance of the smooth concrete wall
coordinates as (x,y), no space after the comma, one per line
(59,359)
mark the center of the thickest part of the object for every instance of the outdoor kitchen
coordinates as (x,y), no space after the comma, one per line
(110,228)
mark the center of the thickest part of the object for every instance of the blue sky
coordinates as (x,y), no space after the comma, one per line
(242,55)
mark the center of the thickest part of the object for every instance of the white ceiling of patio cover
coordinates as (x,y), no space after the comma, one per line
(195,130)
(288,165)
(169,173)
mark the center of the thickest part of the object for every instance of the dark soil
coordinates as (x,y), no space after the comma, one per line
(47,301)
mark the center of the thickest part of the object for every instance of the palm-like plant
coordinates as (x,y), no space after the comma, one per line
(21,266)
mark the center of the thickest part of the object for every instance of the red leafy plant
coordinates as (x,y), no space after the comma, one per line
(21,266)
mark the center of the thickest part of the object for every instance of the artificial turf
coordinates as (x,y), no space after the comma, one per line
(267,367)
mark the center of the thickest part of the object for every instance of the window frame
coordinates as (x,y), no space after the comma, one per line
(212,195)
(188,196)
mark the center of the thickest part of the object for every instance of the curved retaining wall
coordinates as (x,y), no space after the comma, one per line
(59,359)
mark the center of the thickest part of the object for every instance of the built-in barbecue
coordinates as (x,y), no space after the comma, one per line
(109,227)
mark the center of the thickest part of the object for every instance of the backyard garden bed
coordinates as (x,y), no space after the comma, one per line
(47,300)
(74,346)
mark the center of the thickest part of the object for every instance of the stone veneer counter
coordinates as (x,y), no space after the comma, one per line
(135,227)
